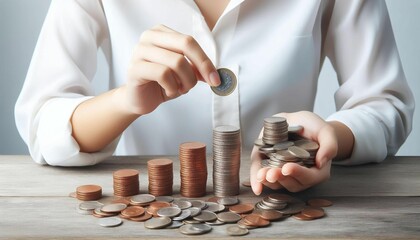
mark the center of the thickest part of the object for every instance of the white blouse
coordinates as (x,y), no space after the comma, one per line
(275,48)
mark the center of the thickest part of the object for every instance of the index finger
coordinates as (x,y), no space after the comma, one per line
(188,46)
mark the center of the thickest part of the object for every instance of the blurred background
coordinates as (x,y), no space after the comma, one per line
(21,22)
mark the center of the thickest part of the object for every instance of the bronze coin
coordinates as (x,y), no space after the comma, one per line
(318,202)
(270,215)
(313,212)
(133,211)
(300,216)
(256,220)
(241,208)
(213,199)
(142,218)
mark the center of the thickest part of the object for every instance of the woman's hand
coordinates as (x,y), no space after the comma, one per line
(165,65)
(292,176)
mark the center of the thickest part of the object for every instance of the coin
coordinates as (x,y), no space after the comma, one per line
(113,207)
(241,208)
(198,203)
(255,220)
(184,215)
(300,216)
(146,216)
(155,206)
(205,216)
(168,199)
(175,224)
(299,152)
(195,229)
(194,211)
(228,217)
(109,222)
(142,199)
(160,174)
(156,223)
(270,215)
(90,205)
(182,204)
(133,211)
(215,222)
(313,212)
(227,201)
(126,182)
(283,145)
(193,169)
(319,203)
(235,230)
(215,207)
(228,82)
(169,212)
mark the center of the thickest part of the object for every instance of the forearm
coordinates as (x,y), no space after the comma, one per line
(345,140)
(98,121)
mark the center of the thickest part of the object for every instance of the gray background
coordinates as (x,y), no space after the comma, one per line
(21,22)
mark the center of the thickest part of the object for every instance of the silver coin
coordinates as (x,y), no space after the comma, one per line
(175,224)
(142,198)
(283,145)
(194,211)
(235,230)
(110,222)
(190,221)
(299,152)
(228,201)
(90,205)
(113,207)
(229,217)
(182,204)
(259,142)
(215,223)
(215,207)
(156,223)
(195,229)
(186,213)
(169,212)
(198,203)
(228,82)
(205,216)
(83,212)
(164,199)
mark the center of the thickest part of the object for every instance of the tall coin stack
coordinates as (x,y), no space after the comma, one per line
(275,130)
(160,176)
(226,160)
(126,182)
(192,157)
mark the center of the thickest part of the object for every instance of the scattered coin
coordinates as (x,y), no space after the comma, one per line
(241,208)
(146,216)
(109,222)
(205,216)
(168,199)
(186,213)
(228,217)
(142,199)
(255,220)
(195,229)
(169,212)
(182,204)
(133,211)
(313,212)
(228,82)
(216,222)
(215,207)
(227,201)
(194,211)
(90,205)
(113,207)
(319,202)
(270,215)
(235,230)
(156,223)
(175,224)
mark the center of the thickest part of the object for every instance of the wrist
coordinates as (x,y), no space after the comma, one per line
(121,103)
(345,139)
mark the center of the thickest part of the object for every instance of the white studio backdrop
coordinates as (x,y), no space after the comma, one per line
(21,22)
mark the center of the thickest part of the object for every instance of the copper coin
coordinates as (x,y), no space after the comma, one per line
(300,216)
(319,202)
(244,224)
(142,218)
(121,200)
(313,212)
(86,189)
(241,208)
(270,215)
(256,220)
(213,199)
(133,211)
(125,173)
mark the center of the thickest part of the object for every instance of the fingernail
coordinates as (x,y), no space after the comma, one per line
(286,172)
(214,78)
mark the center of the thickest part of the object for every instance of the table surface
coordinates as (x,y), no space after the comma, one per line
(373,201)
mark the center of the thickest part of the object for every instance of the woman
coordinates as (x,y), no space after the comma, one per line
(157,52)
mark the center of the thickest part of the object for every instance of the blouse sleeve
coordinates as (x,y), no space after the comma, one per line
(58,79)
(374,99)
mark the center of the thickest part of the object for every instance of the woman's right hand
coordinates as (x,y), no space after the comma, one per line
(165,65)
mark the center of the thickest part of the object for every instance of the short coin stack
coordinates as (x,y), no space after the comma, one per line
(275,130)
(160,172)
(126,182)
(226,160)
(88,192)
(193,166)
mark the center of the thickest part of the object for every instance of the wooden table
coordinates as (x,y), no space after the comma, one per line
(373,201)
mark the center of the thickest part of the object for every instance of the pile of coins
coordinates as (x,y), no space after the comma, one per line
(126,182)
(226,160)
(88,192)
(275,130)
(160,173)
(286,146)
(193,217)
(193,167)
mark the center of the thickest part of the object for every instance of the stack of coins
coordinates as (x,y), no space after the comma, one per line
(126,182)
(275,130)
(226,160)
(89,192)
(192,157)
(160,176)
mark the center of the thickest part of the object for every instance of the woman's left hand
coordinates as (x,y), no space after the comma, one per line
(292,176)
